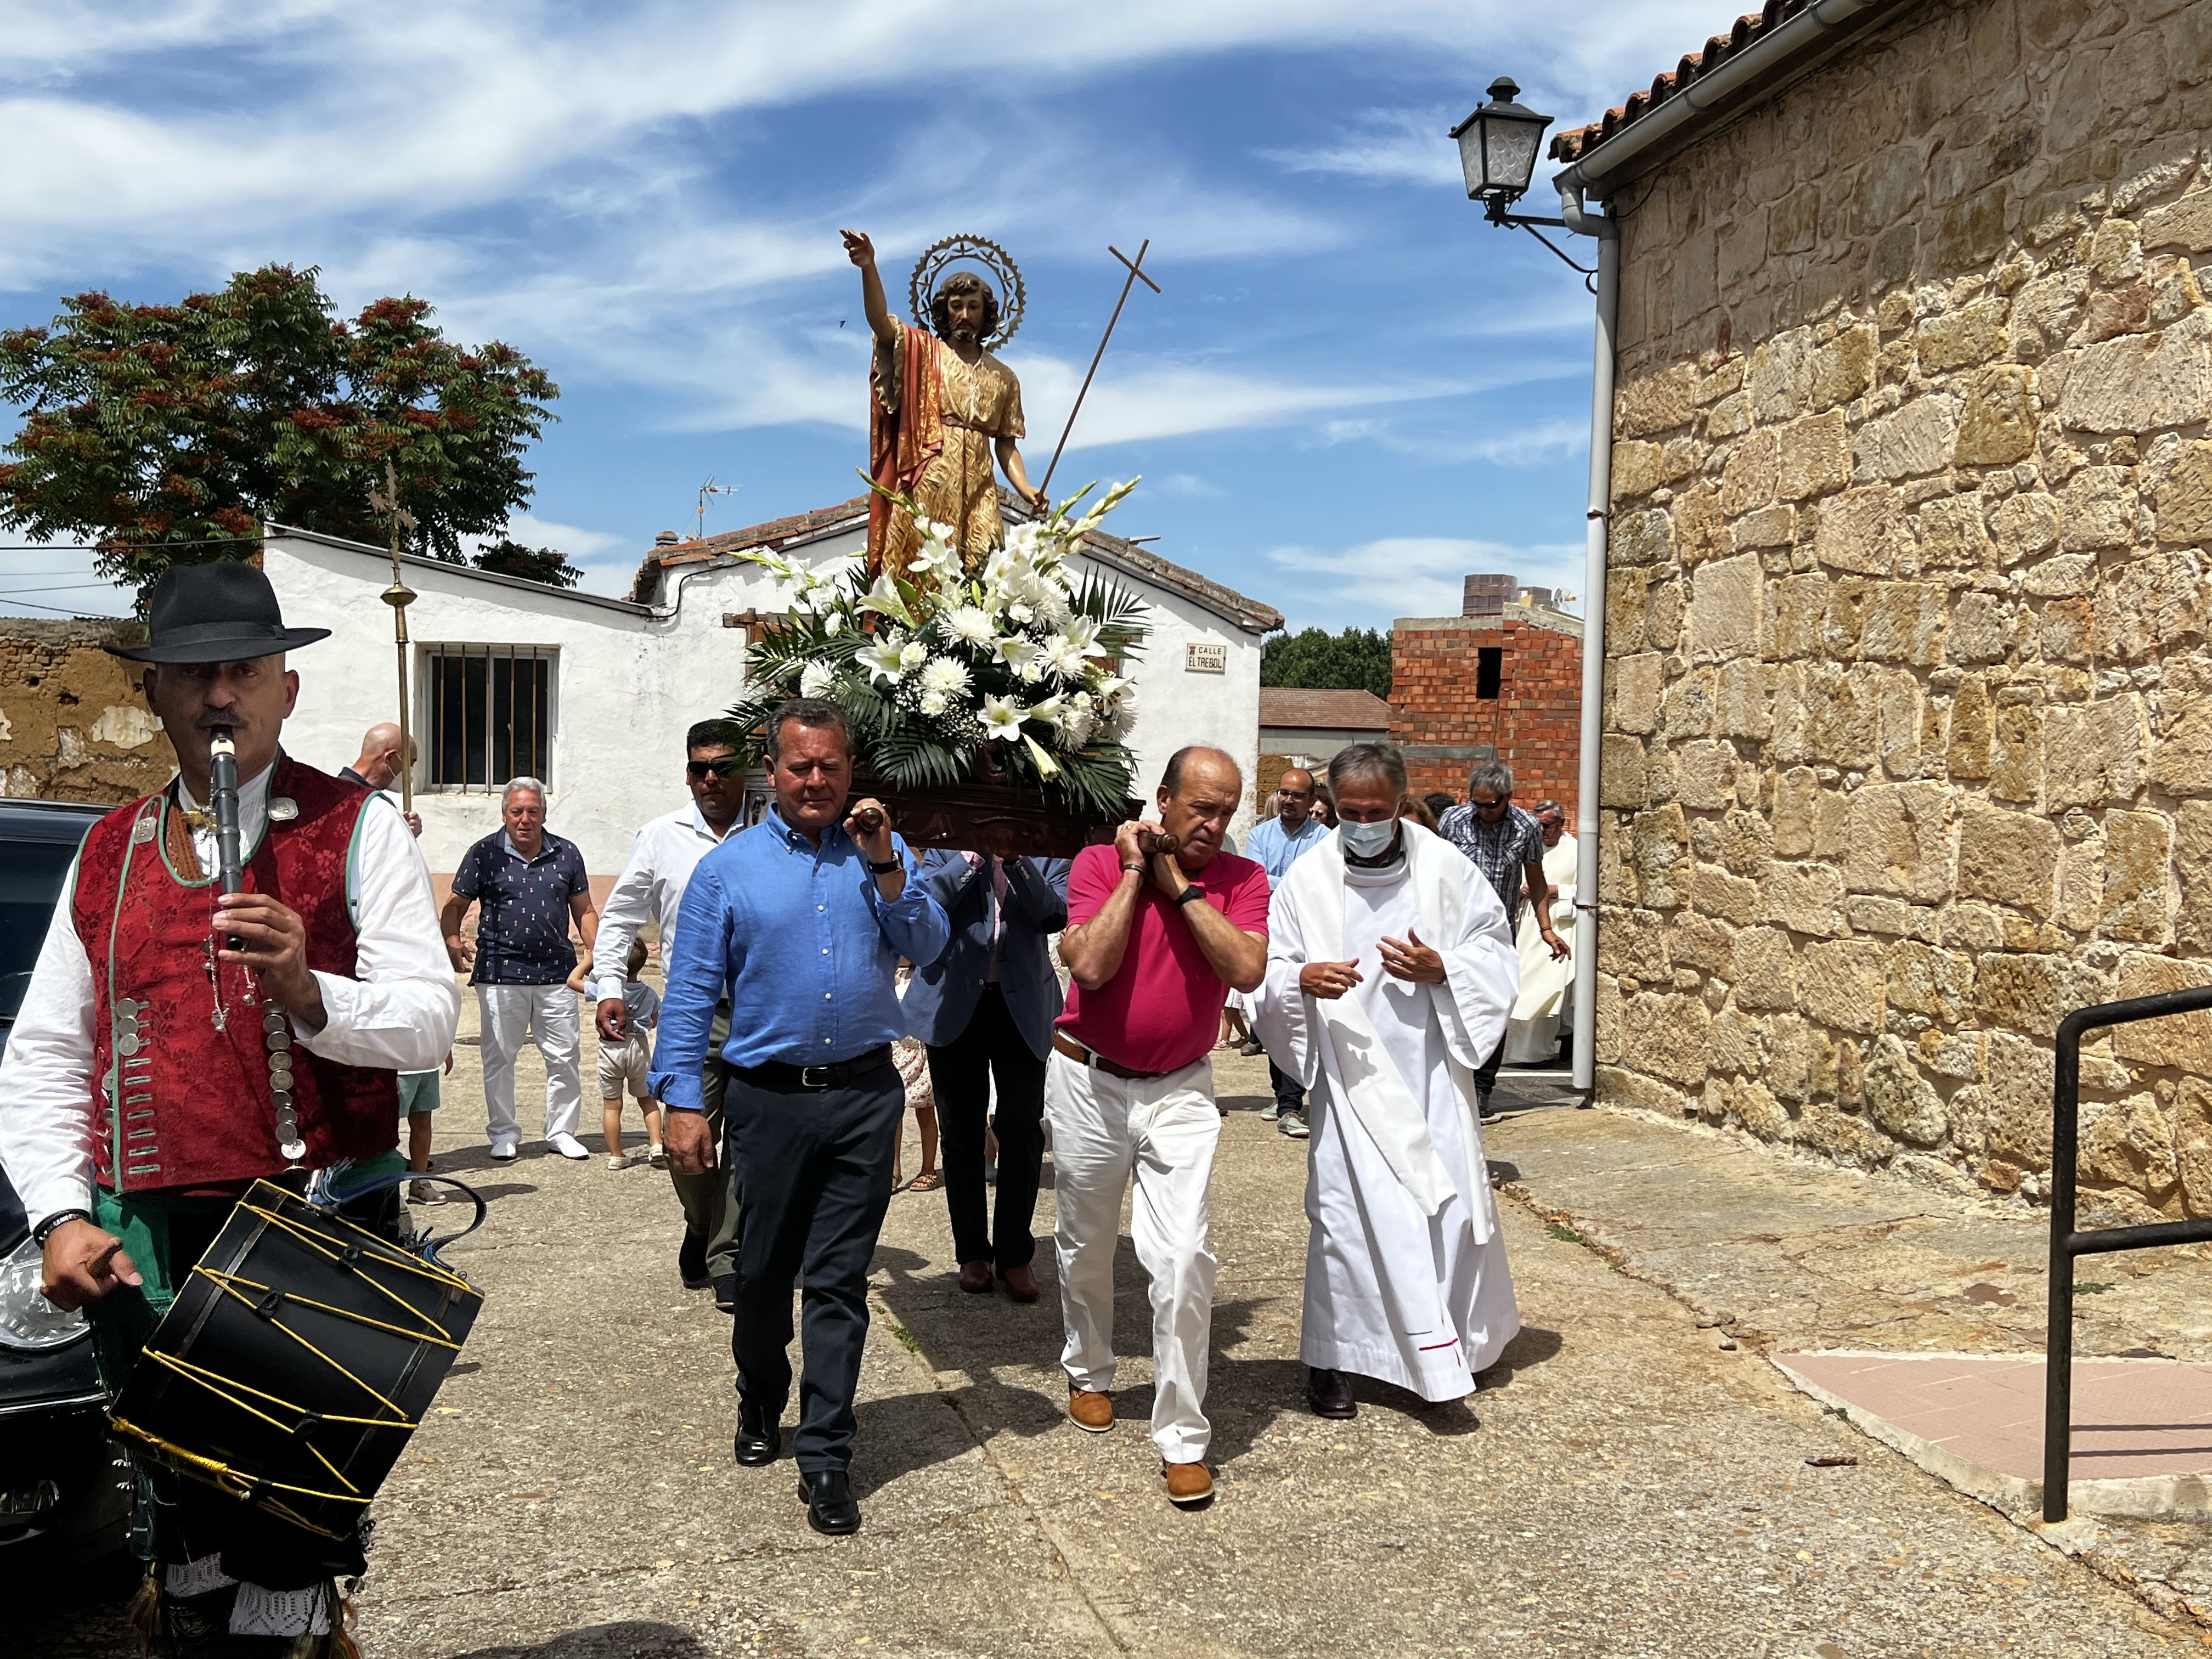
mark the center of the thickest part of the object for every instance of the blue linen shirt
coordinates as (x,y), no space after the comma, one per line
(1275,850)
(523,914)
(802,943)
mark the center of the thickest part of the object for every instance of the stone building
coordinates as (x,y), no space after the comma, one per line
(1502,681)
(73,725)
(1908,738)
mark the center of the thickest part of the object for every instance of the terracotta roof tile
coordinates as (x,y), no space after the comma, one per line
(1574,142)
(1297,706)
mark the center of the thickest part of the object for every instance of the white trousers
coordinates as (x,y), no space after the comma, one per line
(544,1014)
(1164,1130)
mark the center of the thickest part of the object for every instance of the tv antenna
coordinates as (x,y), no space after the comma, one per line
(710,488)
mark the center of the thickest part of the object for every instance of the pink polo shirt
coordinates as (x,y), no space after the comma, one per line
(1161,1009)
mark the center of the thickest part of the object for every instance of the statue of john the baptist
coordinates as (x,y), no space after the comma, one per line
(941,407)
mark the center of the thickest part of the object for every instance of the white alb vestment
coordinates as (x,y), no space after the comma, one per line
(1406,1272)
(1532,1036)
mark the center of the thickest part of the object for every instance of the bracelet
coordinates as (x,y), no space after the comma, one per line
(885,867)
(38,1233)
(1193,891)
(1133,869)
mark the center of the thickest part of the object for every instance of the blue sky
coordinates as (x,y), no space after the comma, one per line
(1351,393)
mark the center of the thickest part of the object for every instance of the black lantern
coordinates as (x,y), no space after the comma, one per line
(1498,147)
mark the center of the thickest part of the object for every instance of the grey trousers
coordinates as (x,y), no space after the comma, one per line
(708,1199)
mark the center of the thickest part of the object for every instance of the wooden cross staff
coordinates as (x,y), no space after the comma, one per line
(386,503)
(1136,275)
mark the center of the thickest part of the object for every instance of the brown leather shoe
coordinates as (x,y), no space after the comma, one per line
(1021,1283)
(1089,1410)
(1188,1484)
(976,1278)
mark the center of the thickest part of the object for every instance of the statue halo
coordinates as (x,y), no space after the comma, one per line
(940,257)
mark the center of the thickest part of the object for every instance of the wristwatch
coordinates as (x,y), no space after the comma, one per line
(885,867)
(1193,891)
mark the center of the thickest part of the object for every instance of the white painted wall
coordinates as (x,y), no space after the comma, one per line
(629,682)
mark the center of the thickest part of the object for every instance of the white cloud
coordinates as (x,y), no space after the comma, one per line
(1399,147)
(1368,584)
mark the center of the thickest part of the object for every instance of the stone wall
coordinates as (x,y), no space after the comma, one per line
(1908,722)
(1535,723)
(72,724)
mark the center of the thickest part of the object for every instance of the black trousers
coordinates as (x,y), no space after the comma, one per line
(1289,1097)
(813,1170)
(1485,1075)
(961,1072)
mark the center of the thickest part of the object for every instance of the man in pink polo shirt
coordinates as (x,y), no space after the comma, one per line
(1153,945)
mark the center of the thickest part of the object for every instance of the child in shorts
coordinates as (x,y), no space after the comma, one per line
(628,1061)
(418,1099)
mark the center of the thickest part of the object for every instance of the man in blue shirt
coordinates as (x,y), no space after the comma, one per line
(531,885)
(1275,844)
(800,922)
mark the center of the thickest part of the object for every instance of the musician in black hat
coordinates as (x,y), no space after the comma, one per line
(178,1041)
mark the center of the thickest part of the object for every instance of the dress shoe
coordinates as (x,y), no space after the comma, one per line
(830,1505)
(759,1438)
(726,1293)
(1189,1484)
(1329,1393)
(976,1278)
(1021,1283)
(691,1261)
(1090,1410)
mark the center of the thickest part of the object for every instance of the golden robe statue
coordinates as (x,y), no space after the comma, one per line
(942,410)
(932,425)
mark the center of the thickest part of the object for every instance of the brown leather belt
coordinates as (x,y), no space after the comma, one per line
(1075,1051)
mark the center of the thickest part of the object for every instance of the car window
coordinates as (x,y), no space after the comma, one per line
(31,874)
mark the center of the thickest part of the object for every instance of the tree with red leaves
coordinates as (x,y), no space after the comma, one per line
(170,435)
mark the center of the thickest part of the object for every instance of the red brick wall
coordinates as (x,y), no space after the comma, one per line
(1533,723)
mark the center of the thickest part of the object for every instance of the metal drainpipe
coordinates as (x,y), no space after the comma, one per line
(1608,232)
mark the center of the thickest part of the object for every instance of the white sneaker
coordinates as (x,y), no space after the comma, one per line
(507,1148)
(617,1161)
(657,1156)
(567,1145)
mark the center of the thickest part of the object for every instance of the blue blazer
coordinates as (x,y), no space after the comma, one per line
(942,998)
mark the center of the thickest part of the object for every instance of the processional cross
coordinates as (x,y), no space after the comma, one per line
(386,503)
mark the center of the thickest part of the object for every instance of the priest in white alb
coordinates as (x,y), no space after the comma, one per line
(1390,973)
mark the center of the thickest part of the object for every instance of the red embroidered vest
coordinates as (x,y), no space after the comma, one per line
(180,1100)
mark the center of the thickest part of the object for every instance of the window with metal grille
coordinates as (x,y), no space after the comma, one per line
(490,714)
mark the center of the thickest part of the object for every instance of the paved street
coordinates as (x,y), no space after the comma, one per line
(1622,1486)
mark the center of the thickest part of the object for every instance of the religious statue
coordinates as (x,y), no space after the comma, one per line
(942,407)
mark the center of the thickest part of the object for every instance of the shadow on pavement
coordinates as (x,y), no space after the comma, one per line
(631,1638)
(1524,1353)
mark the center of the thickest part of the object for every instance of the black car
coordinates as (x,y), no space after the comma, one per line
(64,1492)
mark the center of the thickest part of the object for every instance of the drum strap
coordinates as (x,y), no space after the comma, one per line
(329,1189)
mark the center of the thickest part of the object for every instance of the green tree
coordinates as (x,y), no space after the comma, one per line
(532,564)
(1358,660)
(168,435)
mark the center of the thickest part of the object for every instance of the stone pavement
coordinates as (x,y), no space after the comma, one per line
(1622,1486)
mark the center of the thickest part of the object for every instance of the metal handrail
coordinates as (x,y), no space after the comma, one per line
(2067,1243)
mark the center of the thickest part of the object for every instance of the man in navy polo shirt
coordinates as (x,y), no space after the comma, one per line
(530,882)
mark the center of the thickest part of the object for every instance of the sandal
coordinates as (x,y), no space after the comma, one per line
(928,1181)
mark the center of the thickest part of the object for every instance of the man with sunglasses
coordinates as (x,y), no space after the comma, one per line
(651,888)
(1507,846)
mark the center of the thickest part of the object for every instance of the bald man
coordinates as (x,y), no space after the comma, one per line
(378,767)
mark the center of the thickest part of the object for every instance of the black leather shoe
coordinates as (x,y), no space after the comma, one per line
(1329,1394)
(691,1261)
(829,1506)
(726,1293)
(760,1439)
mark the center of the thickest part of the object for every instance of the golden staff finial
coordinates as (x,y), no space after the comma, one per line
(398,596)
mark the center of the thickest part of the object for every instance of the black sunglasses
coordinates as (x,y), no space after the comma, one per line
(721,769)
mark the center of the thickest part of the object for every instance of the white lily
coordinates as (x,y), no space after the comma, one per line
(1046,765)
(1050,709)
(1082,633)
(885,600)
(1002,717)
(885,659)
(1108,687)
(1016,653)
(833,624)
(815,679)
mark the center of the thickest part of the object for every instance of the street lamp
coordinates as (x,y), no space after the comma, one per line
(1498,147)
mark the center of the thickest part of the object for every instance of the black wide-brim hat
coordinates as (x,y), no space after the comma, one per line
(216,613)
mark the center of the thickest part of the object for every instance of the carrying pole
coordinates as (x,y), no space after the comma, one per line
(1136,275)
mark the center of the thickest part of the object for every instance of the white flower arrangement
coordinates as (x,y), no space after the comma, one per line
(1012,668)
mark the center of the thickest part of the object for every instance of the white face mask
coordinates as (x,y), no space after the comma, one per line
(1367,841)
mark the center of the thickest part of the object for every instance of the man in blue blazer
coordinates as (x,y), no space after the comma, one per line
(985,1010)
